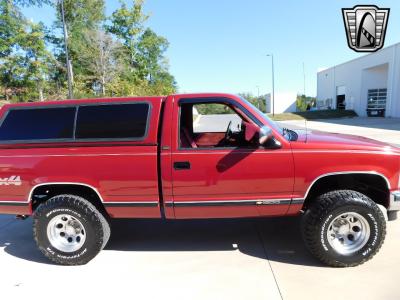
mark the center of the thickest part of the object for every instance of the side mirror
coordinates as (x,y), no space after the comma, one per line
(264,134)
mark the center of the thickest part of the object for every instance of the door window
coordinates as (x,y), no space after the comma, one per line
(211,125)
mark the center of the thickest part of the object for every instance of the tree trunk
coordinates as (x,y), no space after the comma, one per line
(41,98)
(6,94)
(40,90)
(103,86)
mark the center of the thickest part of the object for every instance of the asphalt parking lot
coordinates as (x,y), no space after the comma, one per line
(214,259)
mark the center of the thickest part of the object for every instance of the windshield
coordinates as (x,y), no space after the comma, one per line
(272,123)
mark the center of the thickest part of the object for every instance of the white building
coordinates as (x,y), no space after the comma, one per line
(370,84)
(284,102)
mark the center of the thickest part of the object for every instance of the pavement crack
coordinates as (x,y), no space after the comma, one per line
(267,257)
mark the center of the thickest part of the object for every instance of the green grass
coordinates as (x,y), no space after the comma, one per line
(314,115)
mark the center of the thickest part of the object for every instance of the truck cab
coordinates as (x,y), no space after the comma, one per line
(215,170)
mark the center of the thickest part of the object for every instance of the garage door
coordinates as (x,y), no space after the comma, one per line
(376,102)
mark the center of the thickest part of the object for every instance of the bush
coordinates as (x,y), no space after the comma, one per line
(304,103)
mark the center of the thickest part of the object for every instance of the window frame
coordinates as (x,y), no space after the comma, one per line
(74,139)
(204,100)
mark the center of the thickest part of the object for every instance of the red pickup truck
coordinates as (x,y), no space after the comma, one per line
(76,164)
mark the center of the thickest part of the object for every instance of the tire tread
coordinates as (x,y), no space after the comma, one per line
(321,207)
(81,204)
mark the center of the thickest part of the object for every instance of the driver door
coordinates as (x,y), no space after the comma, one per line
(215,178)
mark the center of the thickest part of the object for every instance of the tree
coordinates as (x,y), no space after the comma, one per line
(151,48)
(12,76)
(304,102)
(147,66)
(127,24)
(23,55)
(81,17)
(103,58)
(258,102)
(30,2)
(123,57)
(39,58)
(11,27)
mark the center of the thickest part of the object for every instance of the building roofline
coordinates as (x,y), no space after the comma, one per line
(357,58)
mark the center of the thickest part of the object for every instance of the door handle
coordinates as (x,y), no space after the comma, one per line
(181,165)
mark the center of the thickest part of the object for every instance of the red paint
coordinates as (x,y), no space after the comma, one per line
(127,172)
(208,139)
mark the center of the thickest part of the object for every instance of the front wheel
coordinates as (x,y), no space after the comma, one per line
(69,230)
(343,228)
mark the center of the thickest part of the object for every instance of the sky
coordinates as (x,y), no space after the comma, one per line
(222,46)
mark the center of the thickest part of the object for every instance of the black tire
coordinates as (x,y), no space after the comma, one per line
(97,229)
(326,208)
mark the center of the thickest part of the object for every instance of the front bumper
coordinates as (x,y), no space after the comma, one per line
(394,204)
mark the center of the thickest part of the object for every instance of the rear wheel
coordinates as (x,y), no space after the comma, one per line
(69,230)
(344,228)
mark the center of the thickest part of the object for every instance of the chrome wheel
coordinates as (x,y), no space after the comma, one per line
(66,233)
(348,233)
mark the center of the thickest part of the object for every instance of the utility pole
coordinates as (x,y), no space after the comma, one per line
(69,65)
(273,85)
(304,81)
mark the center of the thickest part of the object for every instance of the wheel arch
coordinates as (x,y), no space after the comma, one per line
(359,181)
(44,191)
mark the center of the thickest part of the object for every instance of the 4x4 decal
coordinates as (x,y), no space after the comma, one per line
(15,180)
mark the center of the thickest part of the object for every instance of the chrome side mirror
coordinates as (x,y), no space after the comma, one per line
(265,134)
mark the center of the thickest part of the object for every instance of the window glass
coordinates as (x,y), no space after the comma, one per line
(209,125)
(214,117)
(38,124)
(112,121)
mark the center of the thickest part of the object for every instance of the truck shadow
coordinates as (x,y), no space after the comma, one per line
(276,239)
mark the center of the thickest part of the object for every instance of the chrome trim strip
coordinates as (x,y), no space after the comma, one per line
(297,201)
(230,202)
(13,203)
(346,173)
(82,155)
(210,203)
(281,151)
(394,204)
(274,202)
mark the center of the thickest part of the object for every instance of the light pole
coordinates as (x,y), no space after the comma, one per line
(273,85)
(69,66)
